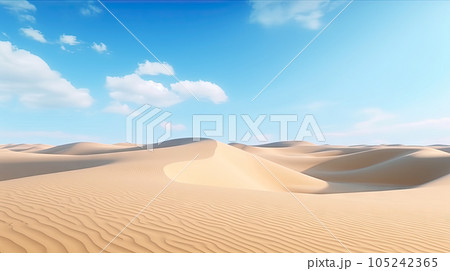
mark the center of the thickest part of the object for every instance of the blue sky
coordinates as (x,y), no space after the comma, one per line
(380,73)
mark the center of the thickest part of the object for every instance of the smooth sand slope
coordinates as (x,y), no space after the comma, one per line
(231,198)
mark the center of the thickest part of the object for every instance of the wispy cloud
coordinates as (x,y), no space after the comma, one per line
(375,119)
(22,9)
(34,34)
(307,13)
(382,127)
(90,9)
(29,77)
(18,6)
(427,123)
(376,116)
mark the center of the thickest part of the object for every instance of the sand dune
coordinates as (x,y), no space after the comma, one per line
(78,197)
(403,169)
(87,148)
(234,168)
(25,147)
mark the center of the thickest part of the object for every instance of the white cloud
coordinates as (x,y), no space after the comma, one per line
(308,12)
(90,9)
(118,108)
(29,77)
(34,34)
(154,68)
(100,48)
(68,39)
(132,88)
(21,8)
(173,127)
(201,89)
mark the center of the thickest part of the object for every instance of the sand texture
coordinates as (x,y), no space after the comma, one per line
(279,197)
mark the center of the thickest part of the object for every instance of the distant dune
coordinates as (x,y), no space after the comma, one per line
(24,147)
(87,148)
(231,198)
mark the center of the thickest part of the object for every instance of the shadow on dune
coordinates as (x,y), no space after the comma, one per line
(342,150)
(86,155)
(85,148)
(340,188)
(358,168)
(177,142)
(15,170)
(400,168)
(285,144)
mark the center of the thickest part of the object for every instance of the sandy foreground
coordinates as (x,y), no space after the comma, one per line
(230,198)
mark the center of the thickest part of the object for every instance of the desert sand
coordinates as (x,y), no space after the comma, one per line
(214,197)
